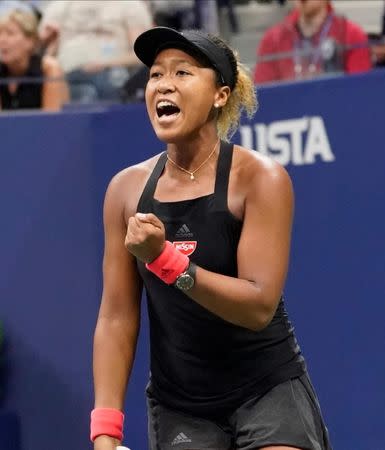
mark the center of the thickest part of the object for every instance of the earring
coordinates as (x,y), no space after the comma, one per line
(216,105)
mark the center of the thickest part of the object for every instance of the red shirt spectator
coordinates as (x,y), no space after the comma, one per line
(310,41)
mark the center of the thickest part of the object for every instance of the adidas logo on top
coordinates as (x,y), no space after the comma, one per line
(180,439)
(184,232)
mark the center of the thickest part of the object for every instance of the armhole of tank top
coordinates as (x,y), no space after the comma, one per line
(223,176)
(145,200)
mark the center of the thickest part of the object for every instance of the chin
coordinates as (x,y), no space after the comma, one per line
(169,136)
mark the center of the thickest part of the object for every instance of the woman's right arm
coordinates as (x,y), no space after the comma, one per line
(119,315)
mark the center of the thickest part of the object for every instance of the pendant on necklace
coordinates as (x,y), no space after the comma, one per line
(192,176)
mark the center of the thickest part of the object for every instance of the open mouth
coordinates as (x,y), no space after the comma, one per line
(167,108)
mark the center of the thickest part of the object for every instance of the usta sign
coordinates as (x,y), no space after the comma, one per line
(294,141)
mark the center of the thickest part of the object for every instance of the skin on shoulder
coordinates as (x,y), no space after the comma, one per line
(126,187)
(253,174)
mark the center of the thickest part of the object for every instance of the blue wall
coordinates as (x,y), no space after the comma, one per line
(54,169)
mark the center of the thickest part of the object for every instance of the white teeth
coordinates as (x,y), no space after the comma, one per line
(164,103)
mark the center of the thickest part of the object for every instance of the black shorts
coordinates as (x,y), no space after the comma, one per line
(289,414)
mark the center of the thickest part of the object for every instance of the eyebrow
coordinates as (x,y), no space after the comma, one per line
(173,60)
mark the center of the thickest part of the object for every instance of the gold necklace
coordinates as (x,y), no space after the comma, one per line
(191,173)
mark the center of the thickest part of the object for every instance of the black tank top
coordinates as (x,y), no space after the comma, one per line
(27,95)
(200,363)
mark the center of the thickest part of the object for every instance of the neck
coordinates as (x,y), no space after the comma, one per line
(310,25)
(190,153)
(197,163)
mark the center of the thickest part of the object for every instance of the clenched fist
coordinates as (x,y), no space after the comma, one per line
(145,237)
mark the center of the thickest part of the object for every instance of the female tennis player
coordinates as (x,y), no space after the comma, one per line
(205,228)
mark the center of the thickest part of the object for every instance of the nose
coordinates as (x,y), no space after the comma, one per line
(165,85)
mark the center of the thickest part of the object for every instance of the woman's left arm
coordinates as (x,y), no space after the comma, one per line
(251,299)
(55,88)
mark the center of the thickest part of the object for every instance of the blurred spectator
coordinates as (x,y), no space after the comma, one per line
(310,41)
(228,5)
(10,5)
(201,14)
(174,14)
(378,47)
(383,21)
(378,50)
(22,5)
(206,16)
(93,41)
(19,60)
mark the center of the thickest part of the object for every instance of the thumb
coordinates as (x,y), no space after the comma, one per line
(149,218)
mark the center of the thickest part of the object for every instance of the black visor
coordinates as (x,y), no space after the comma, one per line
(149,43)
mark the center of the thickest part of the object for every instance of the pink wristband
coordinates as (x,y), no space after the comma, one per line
(169,264)
(107,421)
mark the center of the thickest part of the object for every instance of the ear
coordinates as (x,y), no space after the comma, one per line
(221,96)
